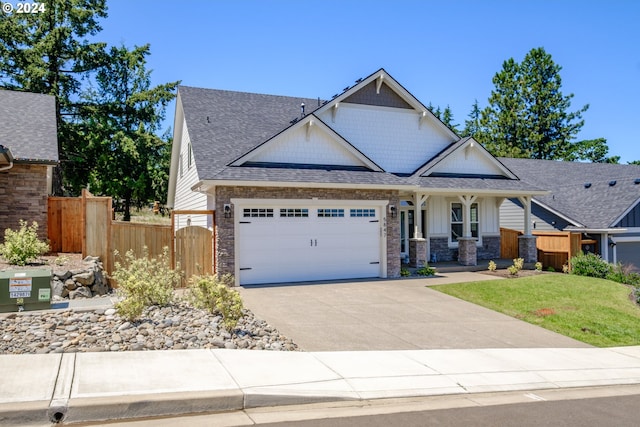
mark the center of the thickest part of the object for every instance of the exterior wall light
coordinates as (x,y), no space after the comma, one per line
(227,210)
(393,211)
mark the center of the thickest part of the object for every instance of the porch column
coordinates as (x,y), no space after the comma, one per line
(604,246)
(418,200)
(526,204)
(418,244)
(467,250)
(527,249)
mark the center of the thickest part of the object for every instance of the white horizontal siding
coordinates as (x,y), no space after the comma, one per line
(391,137)
(319,149)
(186,199)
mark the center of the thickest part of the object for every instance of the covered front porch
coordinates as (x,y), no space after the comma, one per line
(458,228)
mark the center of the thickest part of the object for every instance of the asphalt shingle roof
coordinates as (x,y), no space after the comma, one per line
(224,125)
(28,126)
(597,206)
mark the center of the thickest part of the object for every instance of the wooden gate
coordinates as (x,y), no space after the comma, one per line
(193,245)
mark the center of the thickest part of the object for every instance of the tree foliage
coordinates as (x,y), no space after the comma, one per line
(592,150)
(130,160)
(107,113)
(48,52)
(527,115)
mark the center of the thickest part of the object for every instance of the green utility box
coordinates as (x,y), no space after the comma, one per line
(25,290)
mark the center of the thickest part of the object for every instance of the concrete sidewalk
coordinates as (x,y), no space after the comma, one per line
(85,387)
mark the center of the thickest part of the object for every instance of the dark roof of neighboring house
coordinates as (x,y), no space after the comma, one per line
(28,126)
(598,205)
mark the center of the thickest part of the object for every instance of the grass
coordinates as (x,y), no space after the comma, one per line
(595,311)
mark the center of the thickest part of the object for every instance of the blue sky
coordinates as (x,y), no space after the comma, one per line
(443,52)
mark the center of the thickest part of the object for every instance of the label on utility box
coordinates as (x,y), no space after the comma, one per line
(44,294)
(20,287)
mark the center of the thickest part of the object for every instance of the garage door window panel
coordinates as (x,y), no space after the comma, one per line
(331,213)
(257,213)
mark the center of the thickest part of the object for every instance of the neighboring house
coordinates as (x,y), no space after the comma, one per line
(305,189)
(28,153)
(600,200)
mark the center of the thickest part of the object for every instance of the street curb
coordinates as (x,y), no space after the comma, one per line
(151,405)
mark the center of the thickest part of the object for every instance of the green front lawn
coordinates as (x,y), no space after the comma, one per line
(595,311)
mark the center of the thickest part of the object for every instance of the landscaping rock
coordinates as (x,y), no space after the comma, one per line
(68,331)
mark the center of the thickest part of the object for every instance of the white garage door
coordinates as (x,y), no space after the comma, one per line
(628,253)
(304,243)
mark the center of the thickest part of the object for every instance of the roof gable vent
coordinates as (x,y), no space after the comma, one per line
(612,183)
(587,185)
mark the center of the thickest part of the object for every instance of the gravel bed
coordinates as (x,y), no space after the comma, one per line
(175,327)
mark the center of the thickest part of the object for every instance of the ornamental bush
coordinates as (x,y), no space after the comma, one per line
(22,246)
(144,282)
(426,271)
(590,265)
(215,294)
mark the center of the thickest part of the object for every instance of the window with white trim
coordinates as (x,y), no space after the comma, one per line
(362,213)
(330,213)
(257,213)
(294,213)
(457,210)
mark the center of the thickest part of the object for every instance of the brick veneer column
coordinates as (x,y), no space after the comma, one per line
(467,251)
(527,248)
(417,252)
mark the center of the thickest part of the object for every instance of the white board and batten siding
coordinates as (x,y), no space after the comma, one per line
(439,214)
(391,137)
(280,241)
(187,177)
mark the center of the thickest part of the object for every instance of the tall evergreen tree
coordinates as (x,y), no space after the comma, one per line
(129,161)
(528,116)
(48,52)
(472,125)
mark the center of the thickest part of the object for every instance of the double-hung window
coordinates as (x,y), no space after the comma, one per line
(457,210)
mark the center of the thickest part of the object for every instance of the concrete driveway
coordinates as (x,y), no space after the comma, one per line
(391,315)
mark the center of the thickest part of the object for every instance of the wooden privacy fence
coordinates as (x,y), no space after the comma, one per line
(85,224)
(509,243)
(555,248)
(64,224)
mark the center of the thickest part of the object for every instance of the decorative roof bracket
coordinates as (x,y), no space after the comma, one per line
(379,83)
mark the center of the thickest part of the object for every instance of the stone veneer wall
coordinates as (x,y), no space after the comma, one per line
(490,249)
(23,195)
(225,240)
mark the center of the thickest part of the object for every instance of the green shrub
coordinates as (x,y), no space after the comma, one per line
(621,274)
(144,282)
(426,271)
(513,270)
(590,265)
(492,266)
(216,294)
(551,269)
(22,246)
(404,272)
(538,266)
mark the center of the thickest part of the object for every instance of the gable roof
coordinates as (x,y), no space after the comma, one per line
(581,191)
(224,125)
(28,126)
(466,144)
(250,139)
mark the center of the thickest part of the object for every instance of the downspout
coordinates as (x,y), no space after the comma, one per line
(7,154)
